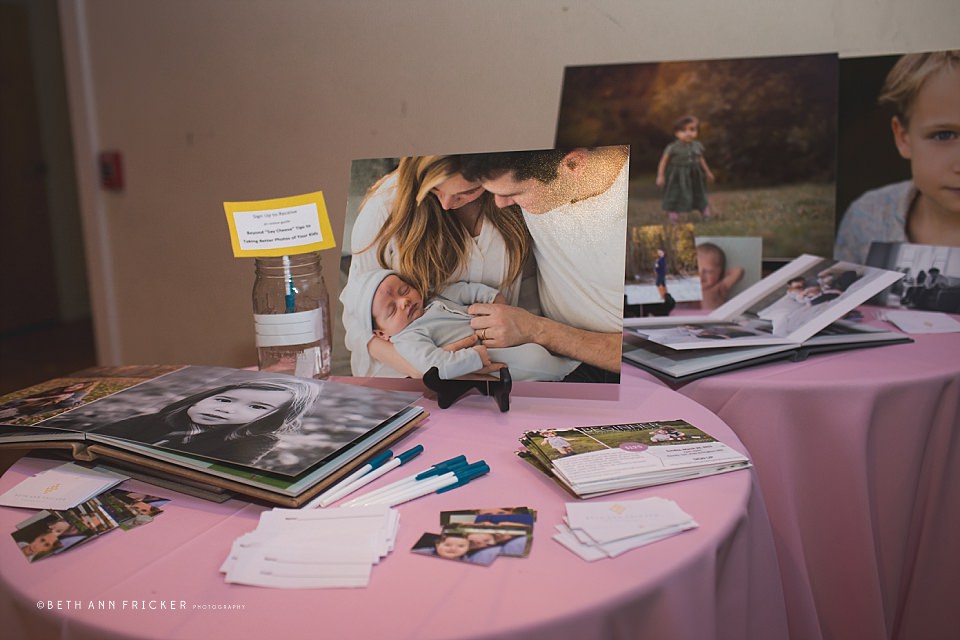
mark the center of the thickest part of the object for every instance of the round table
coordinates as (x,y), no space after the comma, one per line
(719,580)
(858,457)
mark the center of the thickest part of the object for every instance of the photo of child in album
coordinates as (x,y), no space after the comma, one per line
(238,423)
(282,424)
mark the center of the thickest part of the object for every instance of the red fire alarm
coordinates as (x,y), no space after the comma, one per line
(111,170)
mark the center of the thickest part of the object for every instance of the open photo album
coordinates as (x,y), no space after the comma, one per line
(270,436)
(795,312)
(788,307)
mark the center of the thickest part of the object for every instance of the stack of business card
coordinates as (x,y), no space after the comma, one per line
(313,548)
(606,529)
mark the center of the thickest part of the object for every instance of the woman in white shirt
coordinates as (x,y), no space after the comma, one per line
(433,227)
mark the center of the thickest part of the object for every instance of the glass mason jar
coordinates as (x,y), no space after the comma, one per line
(291,314)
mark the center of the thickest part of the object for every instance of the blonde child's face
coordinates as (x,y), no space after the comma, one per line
(395,305)
(931,141)
(687,133)
(709,266)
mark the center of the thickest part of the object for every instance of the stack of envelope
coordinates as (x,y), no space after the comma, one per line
(313,548)
(598,530)
(60,488)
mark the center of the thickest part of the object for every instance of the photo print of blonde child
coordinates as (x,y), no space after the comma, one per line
(727,265)
(899,144)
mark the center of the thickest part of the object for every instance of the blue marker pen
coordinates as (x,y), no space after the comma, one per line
(440,467)
(440,484)
(362,481)
(362,471)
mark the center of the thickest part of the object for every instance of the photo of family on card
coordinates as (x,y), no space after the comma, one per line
(478,262)
(480,536)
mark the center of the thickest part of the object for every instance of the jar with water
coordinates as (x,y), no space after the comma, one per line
(291,313)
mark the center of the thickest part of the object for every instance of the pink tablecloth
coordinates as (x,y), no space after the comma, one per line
(858,456)
(717,581)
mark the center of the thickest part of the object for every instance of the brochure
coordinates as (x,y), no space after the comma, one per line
(596,460)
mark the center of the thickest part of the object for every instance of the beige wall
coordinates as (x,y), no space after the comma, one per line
(235,100)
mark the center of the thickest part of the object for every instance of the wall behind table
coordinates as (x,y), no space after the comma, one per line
(216,100)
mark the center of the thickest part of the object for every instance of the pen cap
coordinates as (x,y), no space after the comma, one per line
(467,474)
(380,459)
(443,467)
(407,455)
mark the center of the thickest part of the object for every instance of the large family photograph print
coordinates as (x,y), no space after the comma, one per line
(738,147)
(481,264)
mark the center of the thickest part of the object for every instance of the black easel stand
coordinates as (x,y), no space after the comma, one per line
(643,310)
(449,391)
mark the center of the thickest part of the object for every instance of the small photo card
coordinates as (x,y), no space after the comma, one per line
(503,539)
(279,227)
(132,509)
(521,515)
(52,532)
(453,546)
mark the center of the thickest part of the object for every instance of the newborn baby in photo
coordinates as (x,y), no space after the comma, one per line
(394,310)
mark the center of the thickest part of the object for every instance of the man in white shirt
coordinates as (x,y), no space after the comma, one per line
(575,205)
